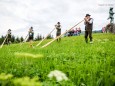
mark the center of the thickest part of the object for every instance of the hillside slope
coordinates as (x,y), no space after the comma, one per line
(84,64)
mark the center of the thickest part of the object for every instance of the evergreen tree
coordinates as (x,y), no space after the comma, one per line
(39,37)
(50,36)
(2,39)
(17,40)
(21,39)
(13,39)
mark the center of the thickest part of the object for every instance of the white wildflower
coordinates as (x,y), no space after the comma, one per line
(58,75)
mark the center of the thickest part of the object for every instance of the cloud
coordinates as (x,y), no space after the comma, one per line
(20,15)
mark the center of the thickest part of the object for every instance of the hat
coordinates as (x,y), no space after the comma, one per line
(87,15)
(58,22)
(31,27)
(111,8)
(9,30)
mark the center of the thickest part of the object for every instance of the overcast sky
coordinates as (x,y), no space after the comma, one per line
(20,15)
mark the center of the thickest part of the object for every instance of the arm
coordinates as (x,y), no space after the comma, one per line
(60,26)
(111,12)
(56,26)
(91,21)
(85,21)
(88,21)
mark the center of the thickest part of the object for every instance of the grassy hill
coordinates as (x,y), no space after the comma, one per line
(84,64)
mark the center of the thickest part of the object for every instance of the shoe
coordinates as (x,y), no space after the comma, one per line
(86,40)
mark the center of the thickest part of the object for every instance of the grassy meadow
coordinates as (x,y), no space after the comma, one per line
(84,64)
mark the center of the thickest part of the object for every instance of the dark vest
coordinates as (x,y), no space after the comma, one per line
(31,34)
(58,28)
(89,26)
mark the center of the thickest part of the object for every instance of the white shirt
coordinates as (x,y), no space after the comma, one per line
(91,21)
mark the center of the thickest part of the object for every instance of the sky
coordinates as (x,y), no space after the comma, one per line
(43,15)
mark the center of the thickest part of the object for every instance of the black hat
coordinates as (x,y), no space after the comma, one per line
(58,22)
(87,15)
(31,27)
(111,8)
(9,30)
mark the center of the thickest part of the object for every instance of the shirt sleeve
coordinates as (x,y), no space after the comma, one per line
(91,21)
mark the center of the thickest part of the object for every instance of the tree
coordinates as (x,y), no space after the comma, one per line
(2,39)
(17,40)
(21,39)
(50,36)
(13,39)
(39,37)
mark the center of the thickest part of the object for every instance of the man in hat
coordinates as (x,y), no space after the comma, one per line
(31,36)
(111,13)
(88,28)
(9,37)
(58,33)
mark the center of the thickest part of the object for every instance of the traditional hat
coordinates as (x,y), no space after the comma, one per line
(9,30)
(58,22)
(31,27)
(111,8)
(87,15)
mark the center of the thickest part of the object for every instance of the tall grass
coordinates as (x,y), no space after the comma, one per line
(88,64)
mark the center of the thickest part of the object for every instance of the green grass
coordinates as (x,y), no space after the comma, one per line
(91,64)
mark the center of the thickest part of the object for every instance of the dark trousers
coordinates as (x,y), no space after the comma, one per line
(88,33)
(58,34)
(8,41)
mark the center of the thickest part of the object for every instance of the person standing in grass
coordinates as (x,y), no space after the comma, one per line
(75,32)
(79,31)
(58,33)
(111,15)
(31,36)
(9,37)
(88,28)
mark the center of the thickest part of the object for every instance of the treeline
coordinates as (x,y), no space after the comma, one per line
(15,39)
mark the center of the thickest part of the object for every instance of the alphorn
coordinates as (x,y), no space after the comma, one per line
(61,35)
(4,41)
(26,38)
(45,38)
